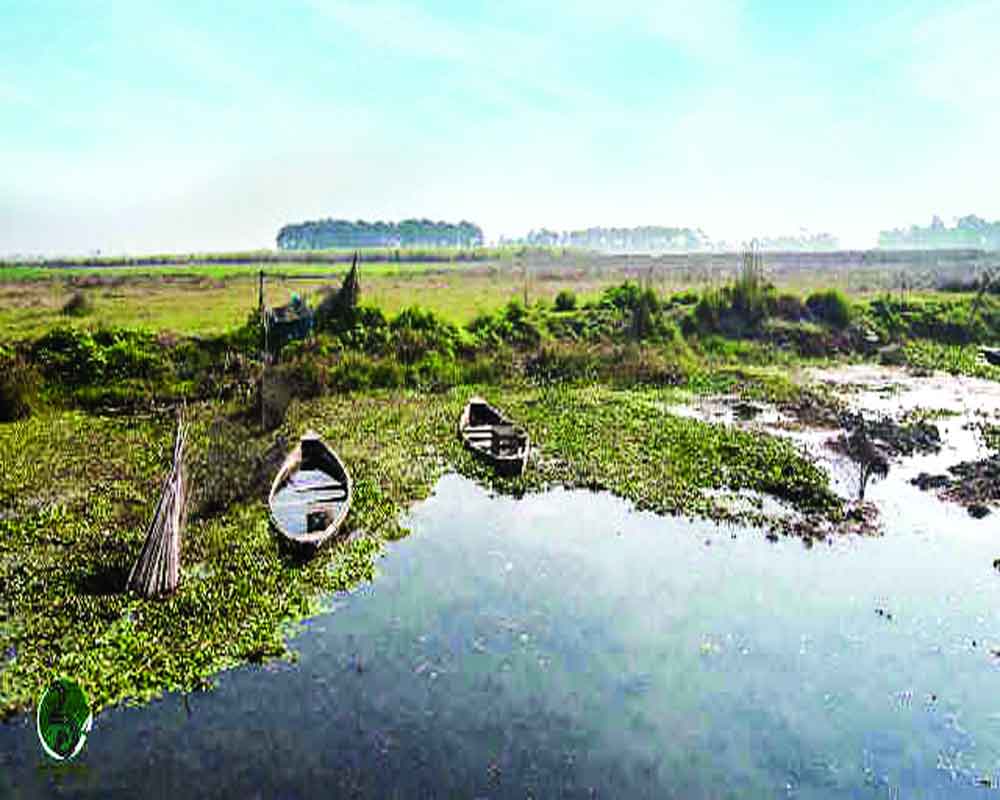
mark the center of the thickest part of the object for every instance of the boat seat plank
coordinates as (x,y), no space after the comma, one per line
(319,487)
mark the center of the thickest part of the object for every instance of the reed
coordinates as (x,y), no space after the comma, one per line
(157,570)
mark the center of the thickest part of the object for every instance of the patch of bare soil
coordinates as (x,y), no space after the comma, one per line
(973,484)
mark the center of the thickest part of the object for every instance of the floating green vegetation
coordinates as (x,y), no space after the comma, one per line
(76,492)
(924,354)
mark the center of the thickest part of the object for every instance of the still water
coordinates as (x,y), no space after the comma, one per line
(564,645)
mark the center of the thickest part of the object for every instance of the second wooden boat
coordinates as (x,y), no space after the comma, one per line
(311,494)
(493,437)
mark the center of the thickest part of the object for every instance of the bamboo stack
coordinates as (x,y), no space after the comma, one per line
(157,571)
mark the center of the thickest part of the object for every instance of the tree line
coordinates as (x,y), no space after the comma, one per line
(969,232)
(330,233)
(657,238)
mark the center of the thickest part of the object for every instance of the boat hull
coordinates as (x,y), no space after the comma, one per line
(493,438)
(311,495)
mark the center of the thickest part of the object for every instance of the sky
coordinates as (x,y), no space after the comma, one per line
(181,126)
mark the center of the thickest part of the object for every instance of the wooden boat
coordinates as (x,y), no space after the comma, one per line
(493,437)
(991,355)
(311,494)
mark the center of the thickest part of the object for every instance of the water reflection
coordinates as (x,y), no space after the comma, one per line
(565,646)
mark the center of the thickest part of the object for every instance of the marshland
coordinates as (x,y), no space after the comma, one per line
(699,522)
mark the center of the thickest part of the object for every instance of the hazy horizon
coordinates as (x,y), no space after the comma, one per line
(179,128)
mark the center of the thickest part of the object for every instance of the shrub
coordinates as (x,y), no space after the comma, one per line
(369,332)
(248,337)
(130,354)
(491,369)
(19,385)
(624,297)
(830,306)
(634,364)
(789,306)
(70,356)
(512,326)
(416,332)
(565,301)
(434,372)
(556,362)
(358,372)
(685,297)
(710,308)
(645,316)
(78,305)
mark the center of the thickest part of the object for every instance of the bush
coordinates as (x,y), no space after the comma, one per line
(511,326)
(624,297)
(790,306)
(709,310)
(685,297)
(434,372)
(645,316)
(369,332)
(416,332)
(357,372)
(131,354)
(558,362)
(635,364)
(830,306)
(565,301)
(70,356)
(247,338)
(78,305)
(19,386)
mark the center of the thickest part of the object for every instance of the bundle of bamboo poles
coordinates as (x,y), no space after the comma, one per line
(157,571)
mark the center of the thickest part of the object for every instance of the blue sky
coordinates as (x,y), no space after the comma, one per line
(139,126)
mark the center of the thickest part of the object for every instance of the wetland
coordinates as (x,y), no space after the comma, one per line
(682,594)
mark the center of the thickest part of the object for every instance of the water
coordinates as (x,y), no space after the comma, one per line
(564,645)
(308,490)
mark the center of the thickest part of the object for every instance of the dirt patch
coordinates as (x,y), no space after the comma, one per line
(973,484)
(892,437)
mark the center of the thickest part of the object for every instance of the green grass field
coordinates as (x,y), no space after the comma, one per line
(205,294)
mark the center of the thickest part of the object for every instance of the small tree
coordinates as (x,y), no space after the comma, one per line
(861,447)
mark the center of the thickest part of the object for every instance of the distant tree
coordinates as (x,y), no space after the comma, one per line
(969,231)
(322,234)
